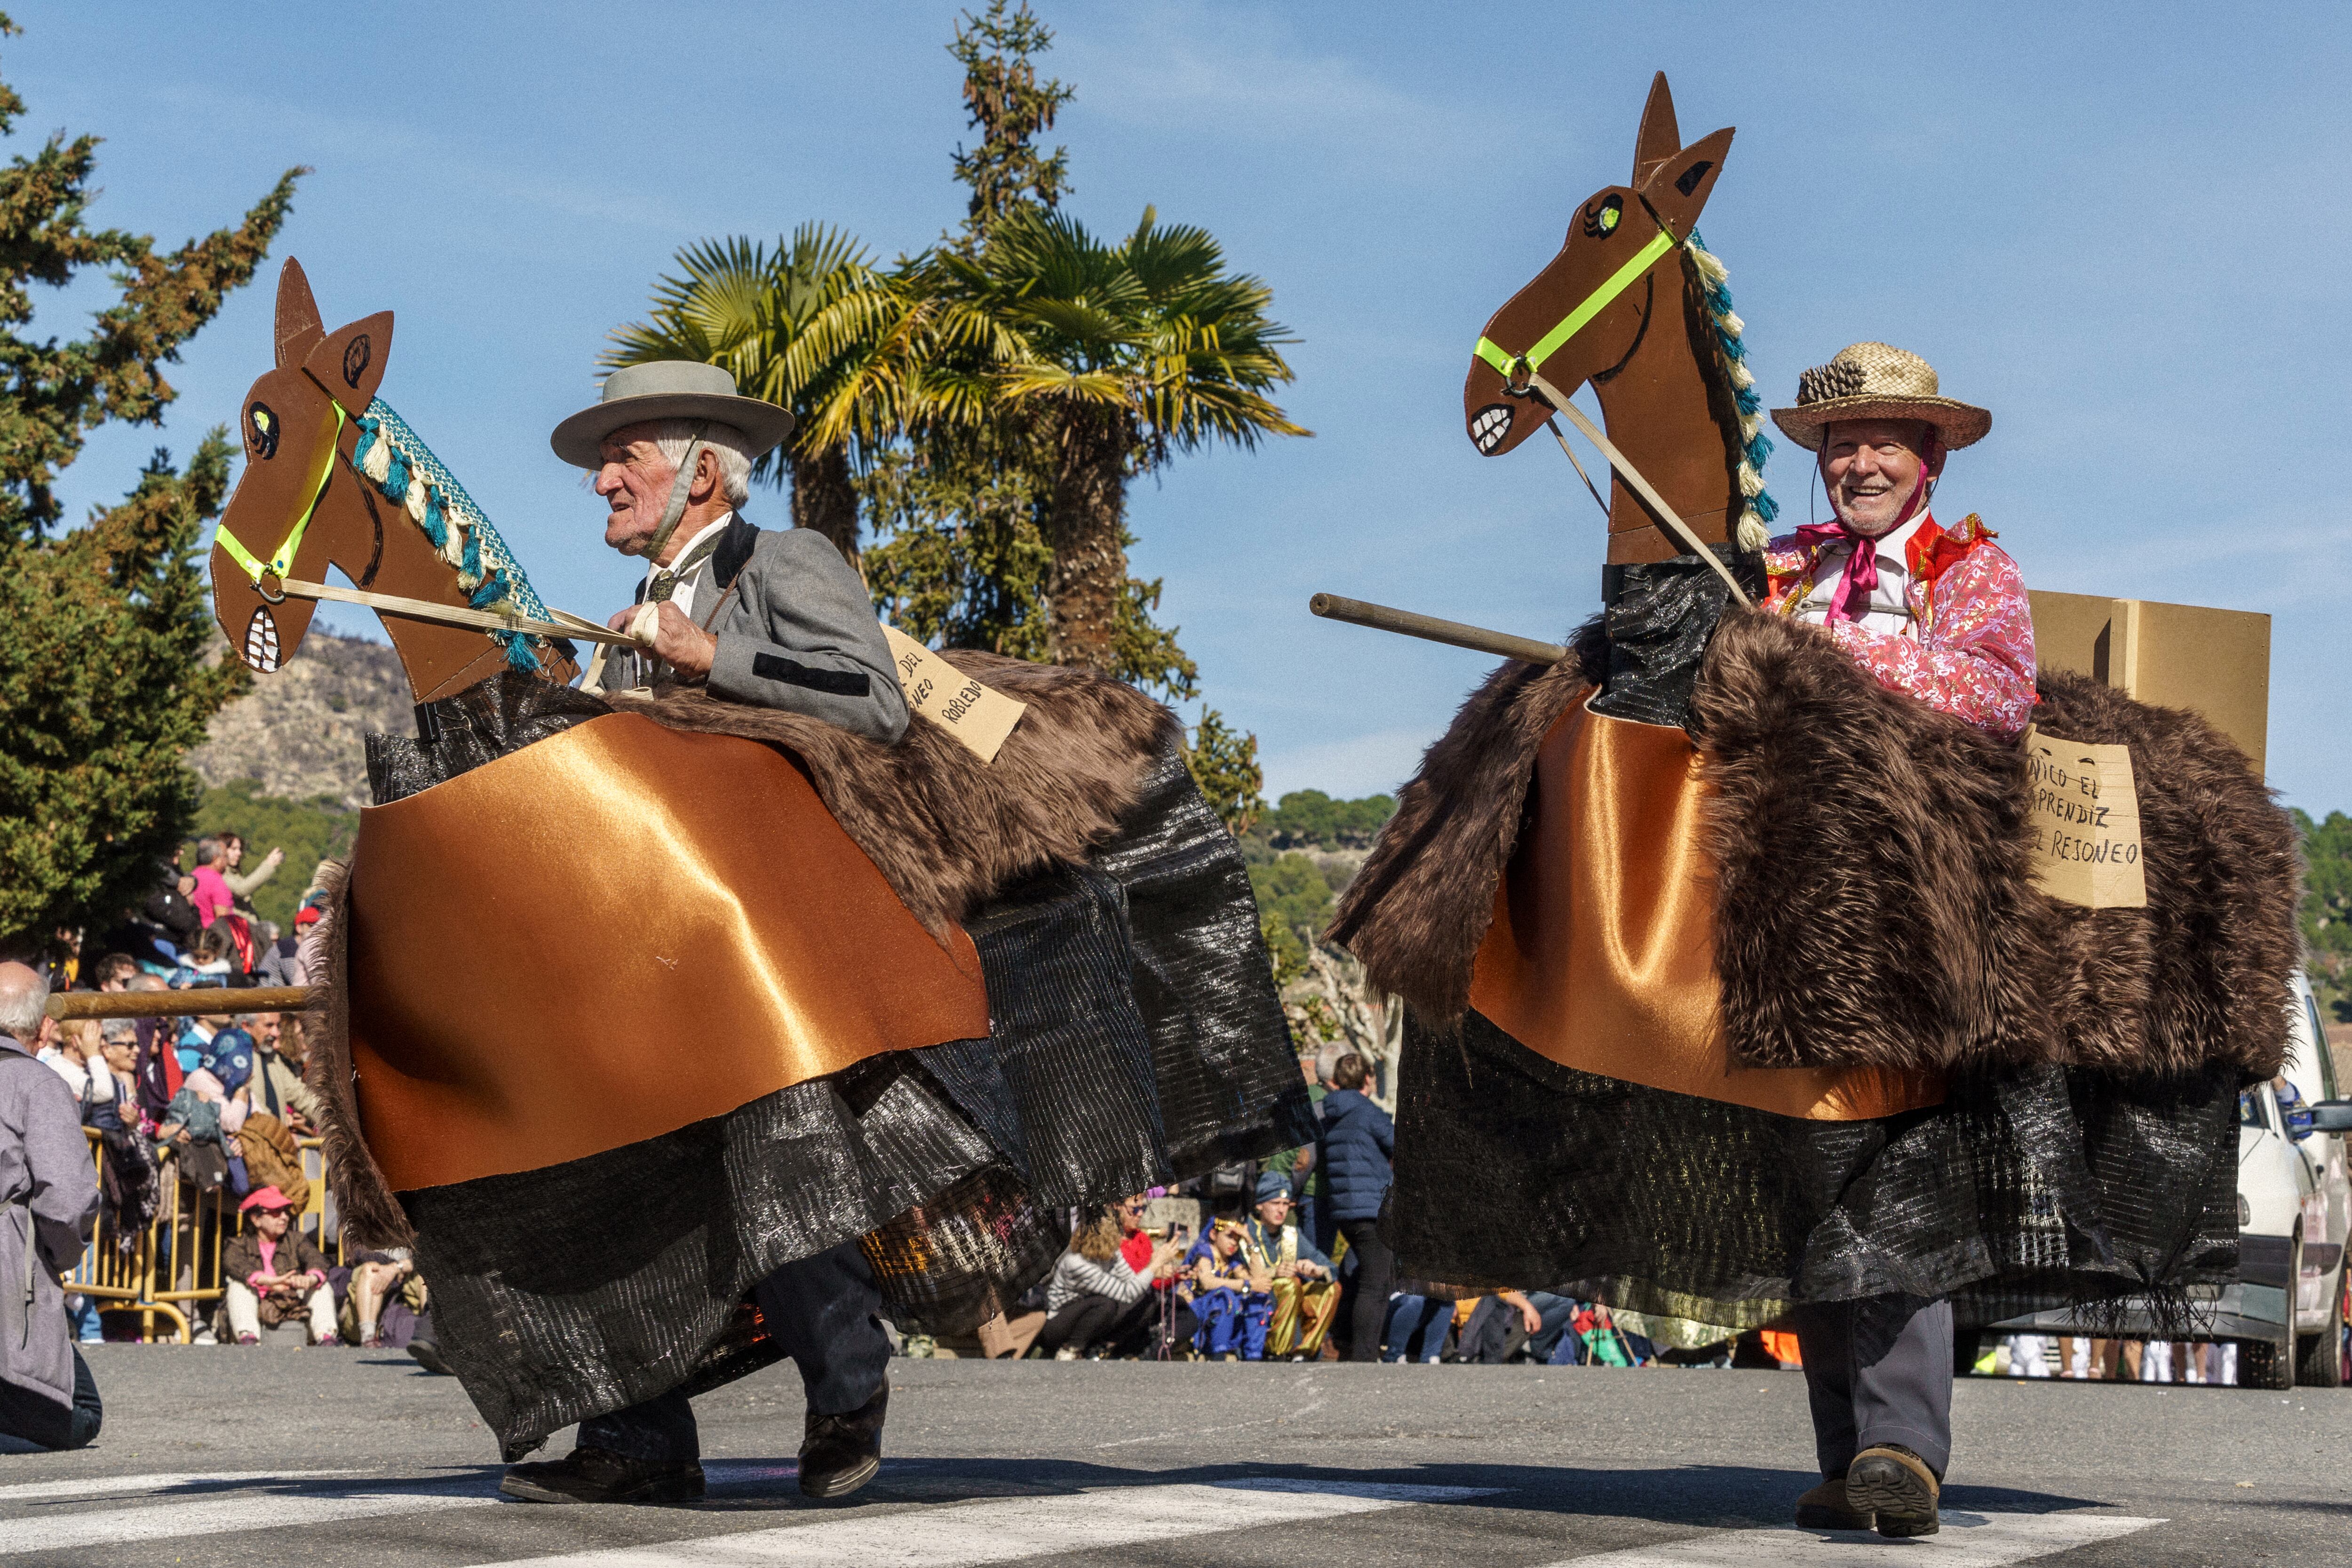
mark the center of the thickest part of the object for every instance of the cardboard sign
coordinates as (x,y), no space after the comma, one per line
(2085,821)
(974,714)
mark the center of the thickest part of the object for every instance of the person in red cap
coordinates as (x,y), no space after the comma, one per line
(273,1273)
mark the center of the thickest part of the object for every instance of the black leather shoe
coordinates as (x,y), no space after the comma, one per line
(599,1475)
(428,1356)
(1826,1508)
(1895,1484)
(842,1452)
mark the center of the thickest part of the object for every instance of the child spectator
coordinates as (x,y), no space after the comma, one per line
(1233,1302)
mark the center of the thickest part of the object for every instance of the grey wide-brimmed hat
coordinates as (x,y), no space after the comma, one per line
(1877,381)
(668,389)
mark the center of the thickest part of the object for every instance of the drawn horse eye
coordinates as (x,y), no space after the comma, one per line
(262,427)
(1600,217)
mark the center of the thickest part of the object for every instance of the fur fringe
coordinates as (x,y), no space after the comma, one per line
(1416,912)
(946,830)
(1832,794)
(371,1216)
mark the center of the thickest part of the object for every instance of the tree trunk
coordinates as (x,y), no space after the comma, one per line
(823,498)
(1088,526)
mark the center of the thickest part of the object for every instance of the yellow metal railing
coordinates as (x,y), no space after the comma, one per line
(172,1270)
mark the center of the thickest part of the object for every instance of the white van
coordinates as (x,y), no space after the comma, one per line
(2295,1216)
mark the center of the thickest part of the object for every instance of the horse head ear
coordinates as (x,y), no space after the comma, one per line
(1678,188)
(349,363)
(1659,139)
(298,327)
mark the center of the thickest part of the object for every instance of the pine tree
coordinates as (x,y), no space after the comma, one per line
(104,681)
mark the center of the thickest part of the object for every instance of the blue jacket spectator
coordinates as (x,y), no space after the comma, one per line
(1358,1142)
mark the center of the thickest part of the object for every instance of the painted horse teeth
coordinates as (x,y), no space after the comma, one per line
(261,642)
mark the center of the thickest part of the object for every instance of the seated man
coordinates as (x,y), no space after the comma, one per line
(1305,1291)
(272,1274)
(778,619)
(1232,1300)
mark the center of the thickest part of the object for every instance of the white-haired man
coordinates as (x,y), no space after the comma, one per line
(776,618)
(766,617)
(49,1200)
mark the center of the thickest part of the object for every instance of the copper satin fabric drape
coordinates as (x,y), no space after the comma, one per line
(613,933)
(1602,953)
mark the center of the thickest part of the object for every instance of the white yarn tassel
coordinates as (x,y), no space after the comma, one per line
(1752,534)
(378,465)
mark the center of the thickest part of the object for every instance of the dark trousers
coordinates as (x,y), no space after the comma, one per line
(37,1419)
(1375,1275)
(826,1313)
(1088,1321)
(1878,1371)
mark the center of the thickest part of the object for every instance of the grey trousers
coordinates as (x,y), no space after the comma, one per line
(1878,1371)
(824,1311)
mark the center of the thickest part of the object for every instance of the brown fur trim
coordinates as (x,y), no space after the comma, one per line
(1872,903)
(1417,912)
(945,829)
(1831,794)
(2199,975)
(371,1216)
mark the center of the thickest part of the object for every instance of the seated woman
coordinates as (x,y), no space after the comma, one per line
(1100,1292)
(1234,1300)
(273,1273)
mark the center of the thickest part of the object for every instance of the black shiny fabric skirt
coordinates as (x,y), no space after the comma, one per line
(2020,1193)
(1136,1039)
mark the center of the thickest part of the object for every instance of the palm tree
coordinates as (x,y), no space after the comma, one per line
(1115,356)
(816,327)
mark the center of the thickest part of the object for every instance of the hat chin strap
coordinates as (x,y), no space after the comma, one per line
(678,488)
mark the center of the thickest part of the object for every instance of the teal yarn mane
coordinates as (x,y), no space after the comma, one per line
(405,469)
(1715,284)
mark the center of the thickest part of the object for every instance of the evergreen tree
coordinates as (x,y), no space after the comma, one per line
(104,681)
(1011,108)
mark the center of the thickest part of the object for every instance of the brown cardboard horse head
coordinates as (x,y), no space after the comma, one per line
(1614,308)
(303,504)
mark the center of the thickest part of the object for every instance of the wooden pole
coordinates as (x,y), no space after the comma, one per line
(1406,623)
(65,1006)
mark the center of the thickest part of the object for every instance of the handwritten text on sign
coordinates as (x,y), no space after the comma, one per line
(977,715)
(2085,821)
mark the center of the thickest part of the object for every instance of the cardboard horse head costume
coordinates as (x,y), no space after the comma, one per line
(1731,983)
(935,1002)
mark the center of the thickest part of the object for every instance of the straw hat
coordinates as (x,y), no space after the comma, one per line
(1875,381)
(668,389)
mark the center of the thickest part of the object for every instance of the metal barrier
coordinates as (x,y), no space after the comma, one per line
(171,1270)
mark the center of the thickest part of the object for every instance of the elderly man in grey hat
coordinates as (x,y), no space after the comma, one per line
(774,617)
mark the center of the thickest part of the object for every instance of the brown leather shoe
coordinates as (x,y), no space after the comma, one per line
(1826,1508)
(599,1475)
(1895,1484)
(841,1453)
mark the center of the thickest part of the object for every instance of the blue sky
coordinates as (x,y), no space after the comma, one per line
(2121,228)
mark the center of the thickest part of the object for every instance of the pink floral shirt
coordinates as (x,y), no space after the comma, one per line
(1969,650)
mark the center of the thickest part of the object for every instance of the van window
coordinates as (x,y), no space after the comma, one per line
(2319,1037)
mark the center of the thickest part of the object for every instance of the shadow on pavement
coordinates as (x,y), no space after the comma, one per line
(1721,1495)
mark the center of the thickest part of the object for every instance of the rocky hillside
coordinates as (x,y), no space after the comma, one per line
(298,732)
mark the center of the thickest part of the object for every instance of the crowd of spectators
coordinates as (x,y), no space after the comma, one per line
(213,1106)
(1298,1271)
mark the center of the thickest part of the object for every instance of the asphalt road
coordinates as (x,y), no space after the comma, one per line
(243,1457)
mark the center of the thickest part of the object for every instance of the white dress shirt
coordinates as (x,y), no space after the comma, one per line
(683,595)
(1890,610)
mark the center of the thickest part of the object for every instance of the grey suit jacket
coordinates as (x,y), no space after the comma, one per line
(796,631)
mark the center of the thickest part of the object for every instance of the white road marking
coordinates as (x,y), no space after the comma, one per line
(1006,1530)
(169,1518)
(101,1485)
(1967,1540)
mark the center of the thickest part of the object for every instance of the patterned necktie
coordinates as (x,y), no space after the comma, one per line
(665,584)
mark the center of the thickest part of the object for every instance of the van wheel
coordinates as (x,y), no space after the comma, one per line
(2319,1358)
